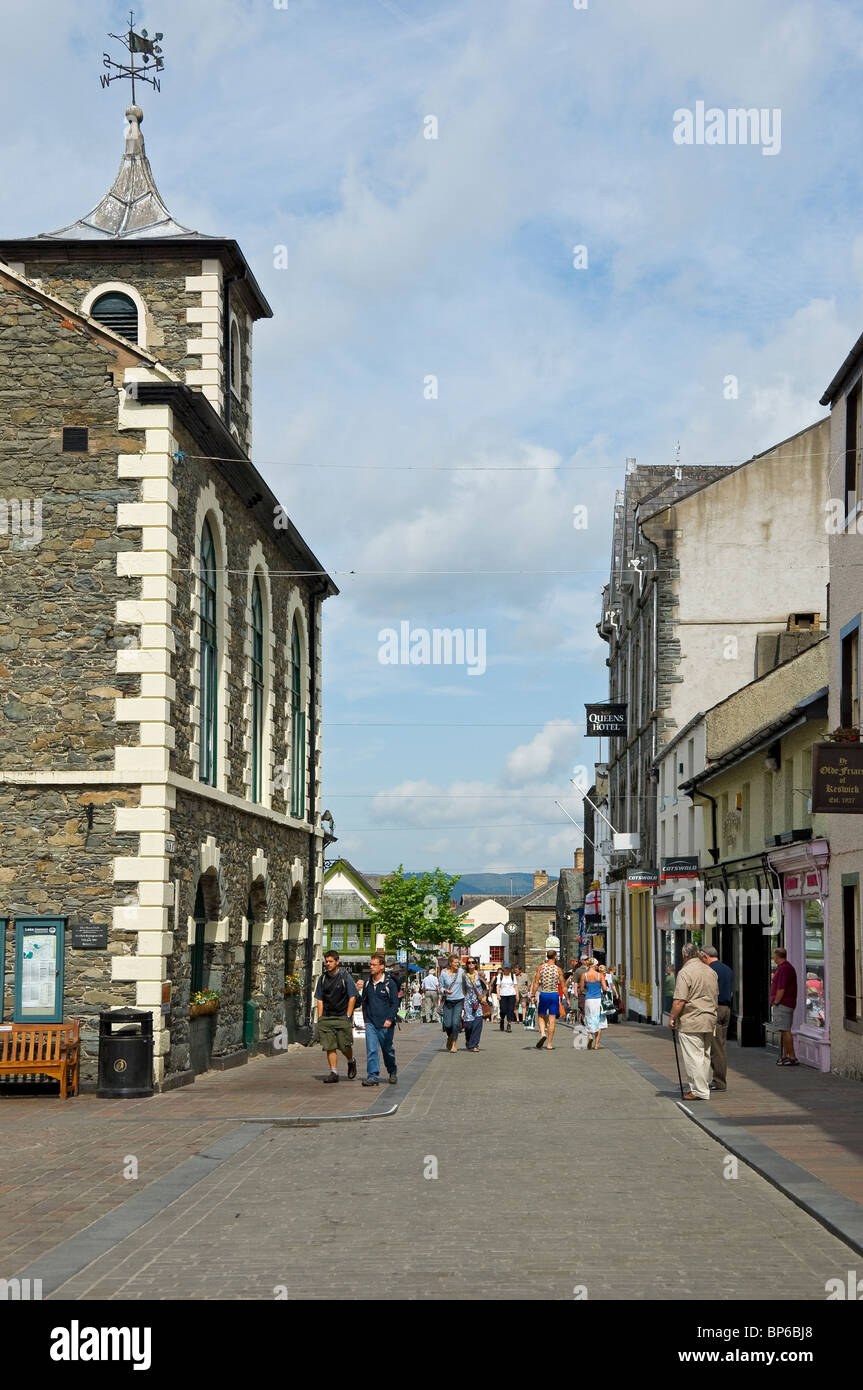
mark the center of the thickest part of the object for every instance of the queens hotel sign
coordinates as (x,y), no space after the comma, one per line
(605,721)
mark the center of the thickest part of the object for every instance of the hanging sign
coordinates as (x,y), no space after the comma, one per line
(642,878)
(837,778)
(605,721)
(680,867)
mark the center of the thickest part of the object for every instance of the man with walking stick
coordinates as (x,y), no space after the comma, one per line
(694,1013)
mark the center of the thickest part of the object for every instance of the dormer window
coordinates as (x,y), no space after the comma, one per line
(117,312)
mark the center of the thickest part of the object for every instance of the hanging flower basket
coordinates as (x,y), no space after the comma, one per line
(206,1001)
(847,735)
(292,986)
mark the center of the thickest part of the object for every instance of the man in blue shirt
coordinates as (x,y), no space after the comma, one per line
(725,976)
(380,1006)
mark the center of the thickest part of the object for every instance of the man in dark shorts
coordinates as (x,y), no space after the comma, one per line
(336,997)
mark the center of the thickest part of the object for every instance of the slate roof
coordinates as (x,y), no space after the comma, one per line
(345,907)
(539,897)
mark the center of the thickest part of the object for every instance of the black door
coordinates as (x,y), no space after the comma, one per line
(754,983)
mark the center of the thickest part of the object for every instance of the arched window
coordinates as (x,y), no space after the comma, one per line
(257,689)
(209,657)
(118,312)
(235,358)
(298,728)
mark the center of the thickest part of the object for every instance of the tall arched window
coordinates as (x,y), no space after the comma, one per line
(235,358)
(298,728)
(117,312)
(209,657)
(257,689)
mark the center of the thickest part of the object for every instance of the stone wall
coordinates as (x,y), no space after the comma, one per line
(239,836)
(53,864)
(58,634)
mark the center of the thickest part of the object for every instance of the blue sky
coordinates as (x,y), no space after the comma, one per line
(407,257)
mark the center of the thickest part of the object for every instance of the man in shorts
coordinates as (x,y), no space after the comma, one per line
(548,983)
(523,995)
(783,1002)
(336,997)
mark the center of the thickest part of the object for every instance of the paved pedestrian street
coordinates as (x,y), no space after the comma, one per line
(509,1174)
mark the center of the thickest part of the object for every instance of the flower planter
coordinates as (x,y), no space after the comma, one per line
(202,1010)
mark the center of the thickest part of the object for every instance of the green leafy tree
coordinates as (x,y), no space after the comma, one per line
(414,914)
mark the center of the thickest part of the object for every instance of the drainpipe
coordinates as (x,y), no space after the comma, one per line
(696,791)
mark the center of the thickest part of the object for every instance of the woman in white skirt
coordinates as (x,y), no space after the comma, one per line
(594,1018)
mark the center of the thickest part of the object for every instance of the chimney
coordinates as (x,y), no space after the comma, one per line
(579,861)
(540,878)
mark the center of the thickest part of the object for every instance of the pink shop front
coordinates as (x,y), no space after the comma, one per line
(805,913)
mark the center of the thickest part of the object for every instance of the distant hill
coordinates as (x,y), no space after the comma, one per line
(493,883)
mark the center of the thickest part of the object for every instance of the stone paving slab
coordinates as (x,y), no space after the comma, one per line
(62,1163)
(555,1172)
(811,1118)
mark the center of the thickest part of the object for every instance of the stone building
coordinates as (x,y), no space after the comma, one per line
(160,637)
(535,915)
(842,505)
(686,626)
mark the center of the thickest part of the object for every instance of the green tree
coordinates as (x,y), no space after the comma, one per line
(414,914)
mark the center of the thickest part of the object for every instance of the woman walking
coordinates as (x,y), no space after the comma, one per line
(474,996)
(548,980)
(594,987)
(507,995)
(493,996)
(452,994)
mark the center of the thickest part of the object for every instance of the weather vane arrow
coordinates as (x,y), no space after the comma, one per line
(151,55)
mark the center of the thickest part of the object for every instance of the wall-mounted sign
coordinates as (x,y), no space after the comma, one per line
(89,936)
(39,969)
(552,943)
(642,878)
(605,721)
(837,778)
(624,840)
(685,866)
(170,844)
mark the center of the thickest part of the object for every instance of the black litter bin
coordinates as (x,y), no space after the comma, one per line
(125,1056)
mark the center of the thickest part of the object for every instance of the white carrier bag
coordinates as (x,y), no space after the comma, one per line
(579,1036)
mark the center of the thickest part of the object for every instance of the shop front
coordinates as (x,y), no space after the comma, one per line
(805,908)
(743,918)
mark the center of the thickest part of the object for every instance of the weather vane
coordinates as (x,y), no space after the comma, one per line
(150,51)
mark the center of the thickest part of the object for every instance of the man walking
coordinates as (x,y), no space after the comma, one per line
(523,985)
(693,1014)
(336,997)
(431,997)
(783,1001)
(725,977)
(380,1005)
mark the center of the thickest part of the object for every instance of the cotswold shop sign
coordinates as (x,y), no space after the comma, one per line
(837,778)
(606,721)
(686,867)
(642,878)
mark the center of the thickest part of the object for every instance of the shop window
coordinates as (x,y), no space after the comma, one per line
(496,954)
(815,1000)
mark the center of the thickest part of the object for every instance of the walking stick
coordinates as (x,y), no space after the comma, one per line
(677,1060)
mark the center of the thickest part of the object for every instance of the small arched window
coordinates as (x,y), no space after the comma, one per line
(117,312)
(257,689)
(235,358)
(209,657)
(298,728)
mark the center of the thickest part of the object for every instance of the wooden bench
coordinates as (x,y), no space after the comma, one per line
(42,1049)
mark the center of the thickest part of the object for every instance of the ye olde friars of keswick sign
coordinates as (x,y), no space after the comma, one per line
(837,777)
